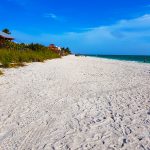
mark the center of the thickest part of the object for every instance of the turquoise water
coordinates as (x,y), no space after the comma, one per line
(137,58)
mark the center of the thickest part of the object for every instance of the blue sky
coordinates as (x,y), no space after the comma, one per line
(91,26)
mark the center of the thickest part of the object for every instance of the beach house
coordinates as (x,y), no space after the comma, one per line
(4,37)
(54,48)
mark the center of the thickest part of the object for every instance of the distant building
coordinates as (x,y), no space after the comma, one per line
(54,48)
(59,50)
(4,37)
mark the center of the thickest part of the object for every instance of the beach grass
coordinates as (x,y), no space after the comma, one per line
(14,58)
(1,73)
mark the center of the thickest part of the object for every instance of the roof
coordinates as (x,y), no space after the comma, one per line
(5,35)
(52,45)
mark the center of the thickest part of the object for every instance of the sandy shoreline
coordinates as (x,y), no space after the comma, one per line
(76,103)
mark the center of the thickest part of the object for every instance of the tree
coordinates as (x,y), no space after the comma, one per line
(6,31)
(65,51)
(68,50)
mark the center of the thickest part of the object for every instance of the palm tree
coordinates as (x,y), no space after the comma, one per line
(6,31)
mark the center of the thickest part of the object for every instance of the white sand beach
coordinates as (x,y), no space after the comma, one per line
(76,103)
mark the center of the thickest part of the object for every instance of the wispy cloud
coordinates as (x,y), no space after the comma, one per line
(54,17)
(50,15)
(125,37)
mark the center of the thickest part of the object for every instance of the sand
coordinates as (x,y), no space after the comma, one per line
(76,103)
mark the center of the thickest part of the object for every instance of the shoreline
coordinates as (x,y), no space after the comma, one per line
(76,103)
(117,60)
(139,61)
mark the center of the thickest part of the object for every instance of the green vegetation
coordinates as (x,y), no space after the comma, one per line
(6,31)
(65,51)
(14,58)
(21,46)
(1,73)
(16,54)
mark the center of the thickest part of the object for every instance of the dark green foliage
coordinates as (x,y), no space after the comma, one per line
(36,47)
(65,51)
(22,46)
(6,31)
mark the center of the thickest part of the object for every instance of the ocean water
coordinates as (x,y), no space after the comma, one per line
(137,58)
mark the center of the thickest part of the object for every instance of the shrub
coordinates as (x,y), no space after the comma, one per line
(11,58)
(65,51)
(1,73)
(14,54)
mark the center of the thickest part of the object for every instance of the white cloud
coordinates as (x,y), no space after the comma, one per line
(54,17)
(126,35)
(50,15)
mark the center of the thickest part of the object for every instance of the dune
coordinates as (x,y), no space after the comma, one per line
(76,103)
